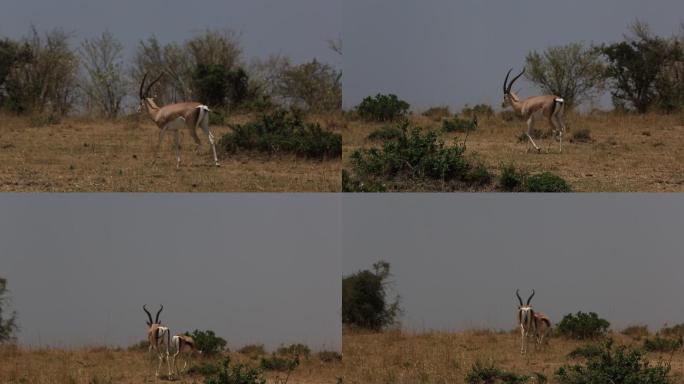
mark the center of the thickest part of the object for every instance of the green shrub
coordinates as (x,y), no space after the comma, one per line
(660,344)
(619,365)
(482,374)
(364,299)
(478,175)
(275,363)
(546,182)
(485,110)
(204,369)
(512,180)
(583,326)
(208,342)
(437,113)
(675,330)
(329,356)
(636,331)
(235,374)
(581,136)
(456,124)
(385,133)
(284,131)
(588,351)
(253,351)
(382,108)
(350,184)
(413,154)
(294,350)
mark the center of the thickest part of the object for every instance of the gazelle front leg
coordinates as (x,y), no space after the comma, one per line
(522,340)
(530,126)
(561,130)
(161,138)
(176,140)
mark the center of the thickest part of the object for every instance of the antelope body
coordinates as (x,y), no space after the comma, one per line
(183,344)
(158,338)
(532,324)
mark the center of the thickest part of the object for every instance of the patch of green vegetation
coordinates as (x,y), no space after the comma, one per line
(583,326)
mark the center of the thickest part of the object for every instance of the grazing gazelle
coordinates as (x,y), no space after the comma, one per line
(532,324)
(174,117)
(159,339)
(183,345)
(549,106)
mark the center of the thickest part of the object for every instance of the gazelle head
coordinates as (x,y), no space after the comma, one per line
(509,96)
(524,307)
(149,316)
(144,95)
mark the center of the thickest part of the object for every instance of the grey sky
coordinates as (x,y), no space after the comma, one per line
(437,52)
(457,259)
(298,28)
(253,268)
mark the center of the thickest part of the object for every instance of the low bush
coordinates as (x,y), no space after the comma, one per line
(484,110)
(204,369)
(488,374)
(385,133)
(275,363)
(351,184)
(660,344)
(294,350)
(457,124)
(437,113)
(382,108)
(636,331)
(581,136)
(514,180)
(208,342)
(615,365)
(583,326)
(588,351)
(253,351)
(235,374)
(675,330)
(284,132)
(330,356)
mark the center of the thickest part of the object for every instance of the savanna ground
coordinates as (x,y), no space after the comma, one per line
(438,358)
(106,365)
(84,155)
(627,152)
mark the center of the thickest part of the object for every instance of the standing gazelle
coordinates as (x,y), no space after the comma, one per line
(183,345)
(159,338)
(174,117)
(549,106)
(532,324)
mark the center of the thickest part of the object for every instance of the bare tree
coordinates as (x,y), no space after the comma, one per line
(104,84)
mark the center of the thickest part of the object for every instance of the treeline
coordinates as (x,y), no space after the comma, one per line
(643,73)
(45,73)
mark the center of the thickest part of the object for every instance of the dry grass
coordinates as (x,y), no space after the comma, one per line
(406,358)
(628,153)
(98,156)
(104,365)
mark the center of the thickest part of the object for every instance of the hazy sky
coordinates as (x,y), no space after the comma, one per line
(458,259)
(437,52)
(298,28)
(253,268)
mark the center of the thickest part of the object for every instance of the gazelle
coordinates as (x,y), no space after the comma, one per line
(174,117)
(532,324)
(183,344)
(549,106)
(159,339)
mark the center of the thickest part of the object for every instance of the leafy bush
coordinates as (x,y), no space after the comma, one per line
(294,350)
(275,363)
(330,356)
(660,344)
(583,326)
(481,374)
(253,351)
(350,184)
(546,182)
(235,374)
(581,136)
(385,133)
(478,110)
(437,113)
(221,86)
(382,108)
(619,365)
(514,180)
(413,154)
(204,369)
(675,330)
(364,299)
(588,351)
(284,131)
(208,342)
(456,124)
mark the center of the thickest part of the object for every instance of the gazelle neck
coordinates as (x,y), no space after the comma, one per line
(151,107)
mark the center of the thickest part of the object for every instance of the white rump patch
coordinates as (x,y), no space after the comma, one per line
(560,100)
(203,107)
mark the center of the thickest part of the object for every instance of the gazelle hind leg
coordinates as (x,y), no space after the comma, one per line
(210,135)
(530,126)
(561,128)
(176,140)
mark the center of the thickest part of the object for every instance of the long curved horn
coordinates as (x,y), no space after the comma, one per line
(142,85)
(149,316)
(156,321)
(147,90)
(510,85)
(519,298)
(530,298)
(505,84)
